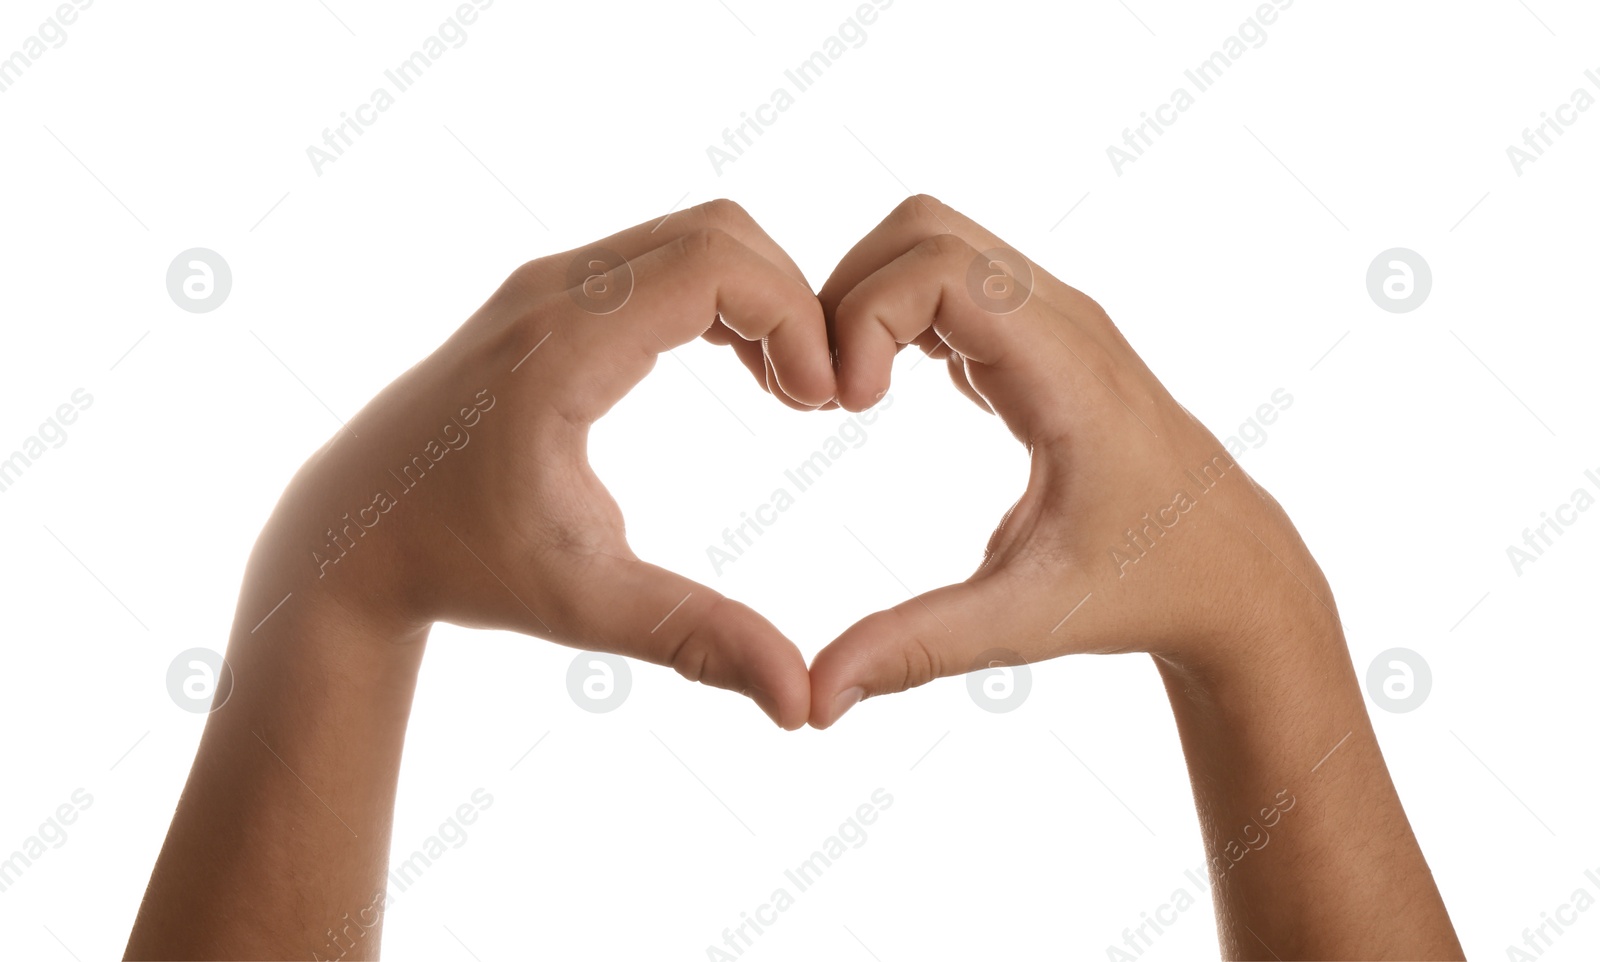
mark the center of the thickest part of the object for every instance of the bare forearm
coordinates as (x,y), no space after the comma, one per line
(279,845)
(462,493)
(1310,852)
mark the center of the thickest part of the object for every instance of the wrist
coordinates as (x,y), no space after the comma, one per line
(333,620)
(1295,648)
(340,568)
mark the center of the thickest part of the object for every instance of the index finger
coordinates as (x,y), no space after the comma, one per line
(773,364)
(673,293)
(920,217)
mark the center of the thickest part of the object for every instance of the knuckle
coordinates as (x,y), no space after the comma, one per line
(529,277)
(918,206)
(920,662)
(1087,311)
(850,307)
(948,247)
(706,244)
(921,212)
(725,214)
(691,656)
(695,651)
(525,312)
(531,326)
(1104,367)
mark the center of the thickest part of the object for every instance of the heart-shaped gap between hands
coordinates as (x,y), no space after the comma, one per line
(1110,450)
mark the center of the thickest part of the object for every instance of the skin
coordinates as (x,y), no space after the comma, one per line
(279,844)
(1226,597)
(283,829)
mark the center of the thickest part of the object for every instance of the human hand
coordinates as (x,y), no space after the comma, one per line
(1137,530)
(463,492)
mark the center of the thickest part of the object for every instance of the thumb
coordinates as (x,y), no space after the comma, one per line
(934,635)
(650,613)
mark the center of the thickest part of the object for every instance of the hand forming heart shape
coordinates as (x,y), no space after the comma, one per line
(1132,513)
(463,493)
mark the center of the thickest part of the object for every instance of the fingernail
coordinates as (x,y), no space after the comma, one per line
(846,700)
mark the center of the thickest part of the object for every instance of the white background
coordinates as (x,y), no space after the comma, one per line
(1233,255)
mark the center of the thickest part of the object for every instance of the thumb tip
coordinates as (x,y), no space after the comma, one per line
(790,720)
(824,717)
